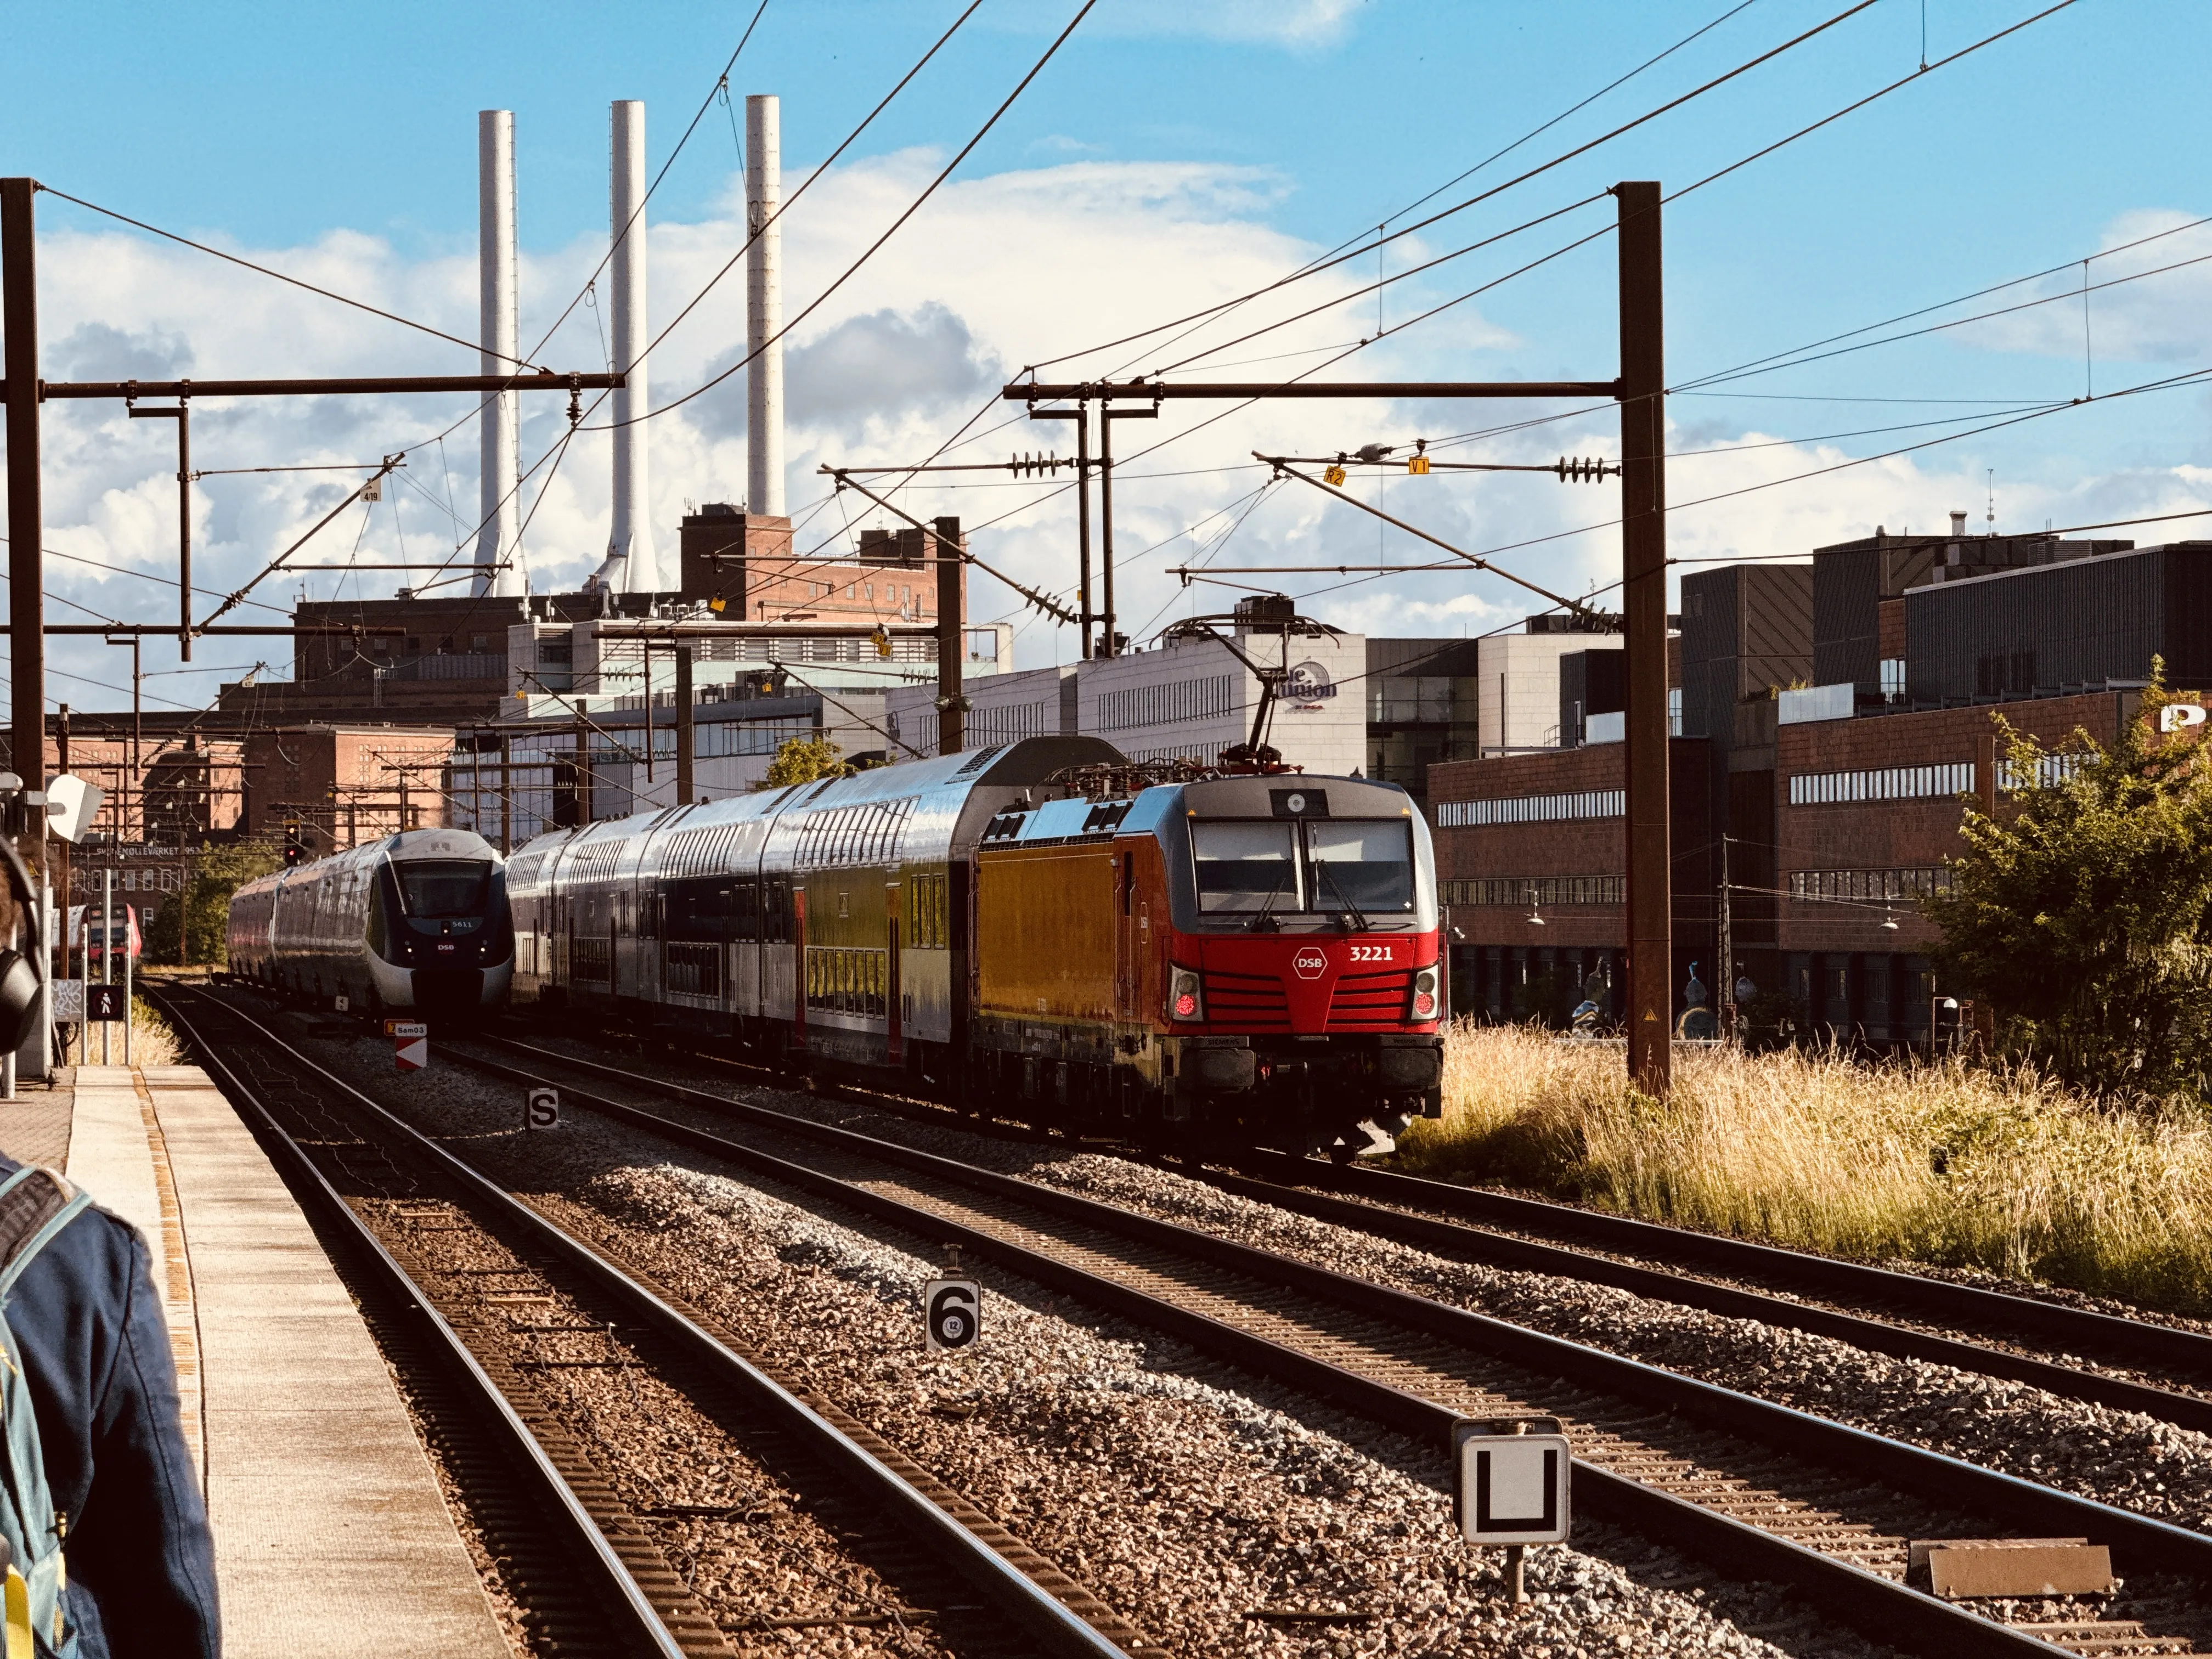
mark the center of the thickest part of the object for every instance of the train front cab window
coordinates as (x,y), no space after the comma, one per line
(436,890)
(1288,866)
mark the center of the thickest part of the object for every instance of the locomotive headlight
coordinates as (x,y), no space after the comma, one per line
(1186,1000)
(1424,993)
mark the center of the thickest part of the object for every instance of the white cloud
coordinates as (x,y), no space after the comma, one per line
(996,272)
(2150,302)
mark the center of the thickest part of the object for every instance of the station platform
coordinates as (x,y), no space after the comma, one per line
(332,1535)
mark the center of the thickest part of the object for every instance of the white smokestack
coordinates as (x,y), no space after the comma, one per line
(763,308)
(632,540)
(498,564)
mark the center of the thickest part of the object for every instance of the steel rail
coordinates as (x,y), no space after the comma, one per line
(1056,1628)
(1463,1241)
(1302,1184)
(2079,1328)
(637,1625)
(1879,1606)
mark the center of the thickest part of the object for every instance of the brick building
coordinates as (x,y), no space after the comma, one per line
(443,658)
(1531,851)
(1814,817)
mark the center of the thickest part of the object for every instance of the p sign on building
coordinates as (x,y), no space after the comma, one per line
(1512,1488)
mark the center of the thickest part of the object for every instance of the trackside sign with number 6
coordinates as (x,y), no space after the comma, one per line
(951,1314)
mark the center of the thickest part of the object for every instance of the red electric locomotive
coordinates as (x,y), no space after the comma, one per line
(1253,958)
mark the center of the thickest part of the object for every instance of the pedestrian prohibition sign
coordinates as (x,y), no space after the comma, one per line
(411,1044)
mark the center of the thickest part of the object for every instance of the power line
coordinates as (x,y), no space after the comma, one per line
(327,294)
(1905,317)
(1484,196)
(1494,156)
(1961,322)
(913,208)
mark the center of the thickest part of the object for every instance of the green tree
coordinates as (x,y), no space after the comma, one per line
(2082,909)
(203,910)
(802,760)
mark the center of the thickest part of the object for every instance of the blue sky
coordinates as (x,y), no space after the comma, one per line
(1171,152)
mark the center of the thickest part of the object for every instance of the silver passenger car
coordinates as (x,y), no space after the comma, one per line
(825,918)
(416,922)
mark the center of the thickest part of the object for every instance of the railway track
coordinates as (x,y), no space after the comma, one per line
(1758,1490)
(493,1303)
(1876,1308)
(2128,1364)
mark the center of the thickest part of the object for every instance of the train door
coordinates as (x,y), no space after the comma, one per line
(626,942)
(1128,945)
(798,975)
(746,933)
(894,979)
(959,983)
(775,975)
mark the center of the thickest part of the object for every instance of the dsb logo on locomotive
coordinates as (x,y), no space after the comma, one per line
(1310,962)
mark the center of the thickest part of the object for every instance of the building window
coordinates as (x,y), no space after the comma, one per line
(1532,809)
(1522,892)
(1165,705)
(1910,882)
(1892,677)
(2050,771)
(1882,783)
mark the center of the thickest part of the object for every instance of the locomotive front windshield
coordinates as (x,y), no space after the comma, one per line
(1328,864)
(434,890)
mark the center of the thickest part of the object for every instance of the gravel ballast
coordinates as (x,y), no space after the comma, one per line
(1211,1510)
(2124,1458)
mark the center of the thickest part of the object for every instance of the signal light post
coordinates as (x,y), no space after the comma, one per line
(1640,390)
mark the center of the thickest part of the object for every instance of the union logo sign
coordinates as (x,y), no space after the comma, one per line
(1308,682)
(1310,962)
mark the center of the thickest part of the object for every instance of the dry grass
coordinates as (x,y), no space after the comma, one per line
(1945,1163)
(153,1042)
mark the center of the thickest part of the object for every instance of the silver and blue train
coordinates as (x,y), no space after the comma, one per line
(416,923)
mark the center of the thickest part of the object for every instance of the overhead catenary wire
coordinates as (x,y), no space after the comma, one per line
(1350,242)
(913,208)
(1708,179)
(1496,189)
(1719,376)
(296,282)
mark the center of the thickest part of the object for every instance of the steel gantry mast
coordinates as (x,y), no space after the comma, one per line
(1640,390)
(21,395)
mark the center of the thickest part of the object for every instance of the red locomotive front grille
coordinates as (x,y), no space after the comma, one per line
(1308,984)
(1254,1002)
(1366,1001)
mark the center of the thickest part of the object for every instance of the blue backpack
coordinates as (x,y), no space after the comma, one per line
(35,1204)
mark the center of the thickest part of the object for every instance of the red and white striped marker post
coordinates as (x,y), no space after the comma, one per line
(411,1044)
